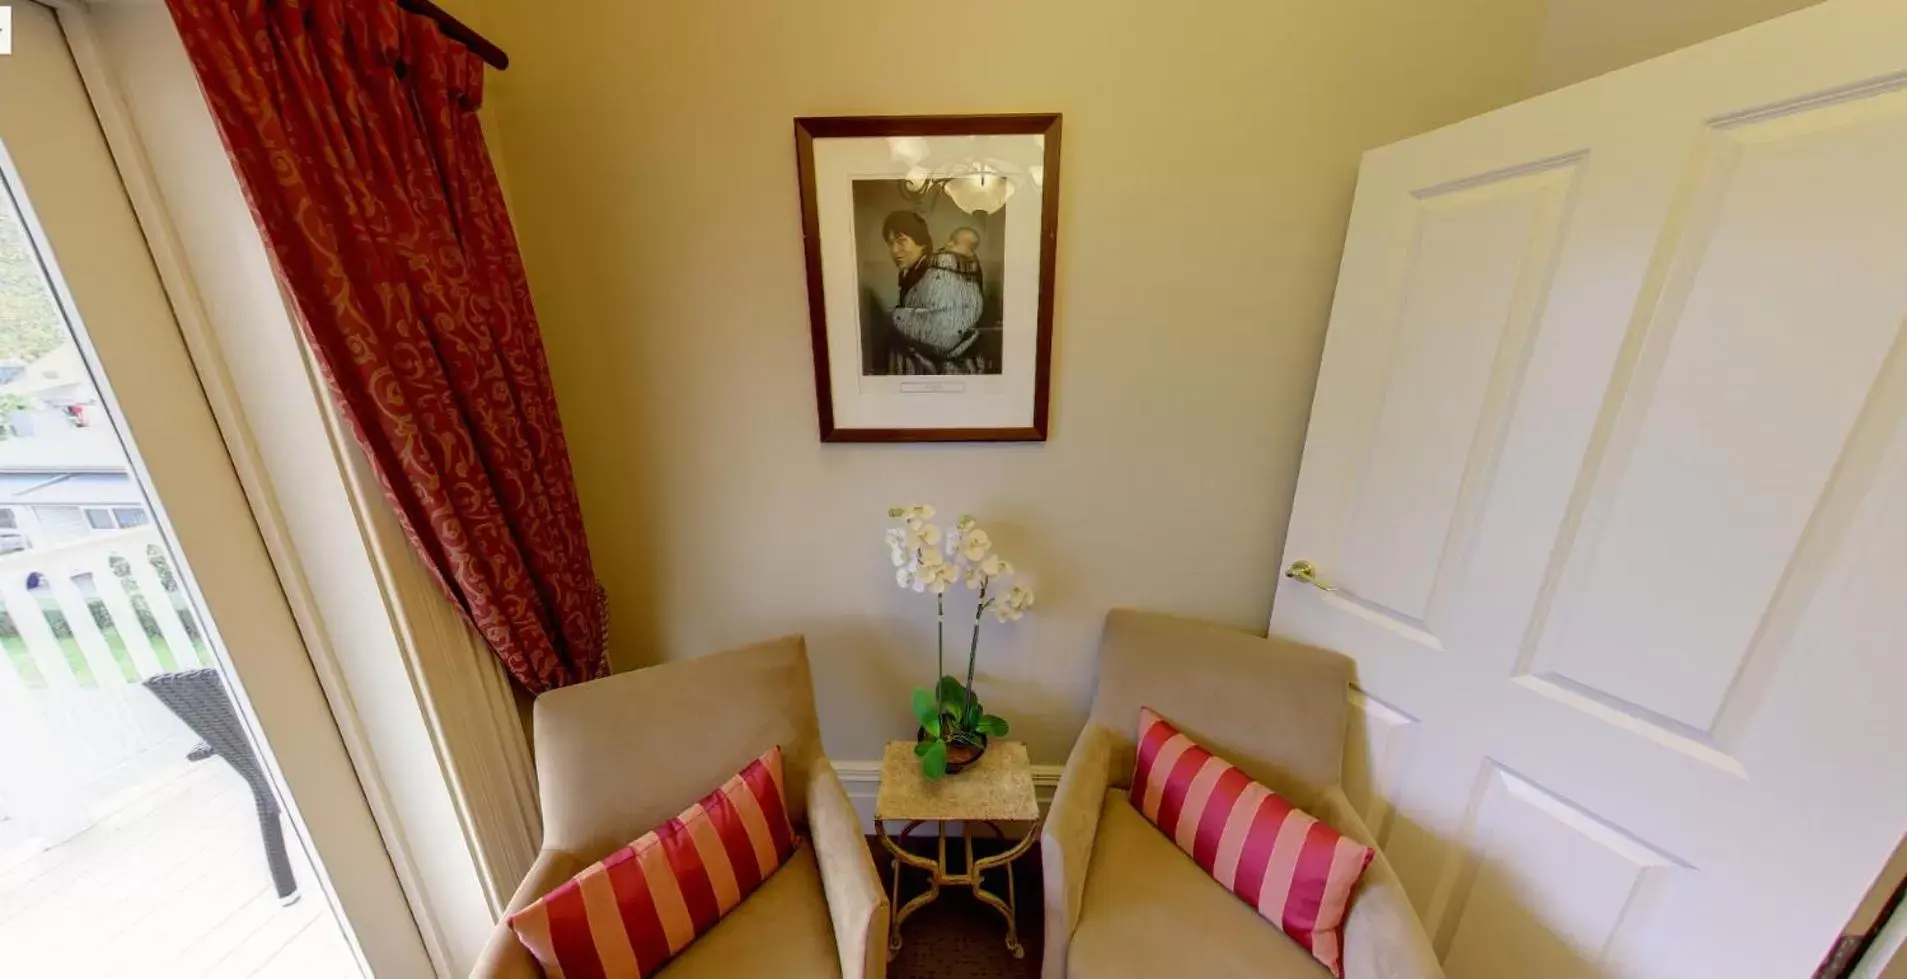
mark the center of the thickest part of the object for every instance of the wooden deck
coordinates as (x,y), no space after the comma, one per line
(171,884)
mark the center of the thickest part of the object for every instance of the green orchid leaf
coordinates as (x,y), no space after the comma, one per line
(920,747)
(992,725)
(933,764)
(926,711)
(951,694)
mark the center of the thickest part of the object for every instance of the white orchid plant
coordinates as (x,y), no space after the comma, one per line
(928,560)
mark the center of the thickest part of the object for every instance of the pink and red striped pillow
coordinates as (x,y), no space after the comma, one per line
(1297,872)
(642,905)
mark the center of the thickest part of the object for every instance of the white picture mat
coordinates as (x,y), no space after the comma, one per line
(1002,401)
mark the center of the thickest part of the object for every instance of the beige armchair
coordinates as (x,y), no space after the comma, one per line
(616,757)
(1121,899)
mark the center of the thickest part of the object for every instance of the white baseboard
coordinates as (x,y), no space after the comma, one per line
(862,779)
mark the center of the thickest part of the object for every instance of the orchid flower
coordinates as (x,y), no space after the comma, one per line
(928,559)
(1014,604)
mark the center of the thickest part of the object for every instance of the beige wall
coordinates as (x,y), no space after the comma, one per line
(1585,38)
(1210,154)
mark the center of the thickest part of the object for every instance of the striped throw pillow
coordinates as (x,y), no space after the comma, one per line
(642,905)
(1297,872)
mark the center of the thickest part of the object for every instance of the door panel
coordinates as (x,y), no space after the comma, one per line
(1605,479)
(1786,230)
(1527,839)
(1477,256)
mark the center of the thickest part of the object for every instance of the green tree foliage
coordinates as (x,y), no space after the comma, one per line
(30,322)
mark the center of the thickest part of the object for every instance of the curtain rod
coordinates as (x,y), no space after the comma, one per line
(460,32)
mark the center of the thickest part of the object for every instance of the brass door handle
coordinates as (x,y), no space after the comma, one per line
(1307,572)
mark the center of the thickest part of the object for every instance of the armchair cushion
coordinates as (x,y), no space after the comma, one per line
(1149,912)
(626,915)
(782,930)
(1294,869)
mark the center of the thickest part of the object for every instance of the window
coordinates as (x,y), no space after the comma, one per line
(114,518)
(11,540)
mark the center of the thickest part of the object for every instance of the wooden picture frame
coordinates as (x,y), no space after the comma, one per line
(899,353)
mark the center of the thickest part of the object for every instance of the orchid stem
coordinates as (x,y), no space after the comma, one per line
(973,650)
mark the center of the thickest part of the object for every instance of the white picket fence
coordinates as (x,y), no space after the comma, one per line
(77,731)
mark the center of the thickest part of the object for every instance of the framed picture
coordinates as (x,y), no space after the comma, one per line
(930,244)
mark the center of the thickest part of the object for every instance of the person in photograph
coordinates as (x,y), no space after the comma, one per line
(936,318)
(961,255)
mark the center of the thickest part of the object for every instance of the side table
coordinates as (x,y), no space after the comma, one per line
(998,788)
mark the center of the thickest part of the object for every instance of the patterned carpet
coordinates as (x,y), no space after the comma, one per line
(957,937)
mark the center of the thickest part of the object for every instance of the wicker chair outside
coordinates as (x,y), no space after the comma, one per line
(198,698)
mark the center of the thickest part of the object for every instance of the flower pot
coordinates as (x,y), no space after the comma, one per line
(959,755)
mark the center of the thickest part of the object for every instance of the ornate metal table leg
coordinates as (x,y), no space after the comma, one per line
(1013,917)
(936,876)
(893,921)
(1008,907)
(973,878)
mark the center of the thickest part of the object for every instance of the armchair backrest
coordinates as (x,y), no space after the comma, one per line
(617,757)
(1275,708)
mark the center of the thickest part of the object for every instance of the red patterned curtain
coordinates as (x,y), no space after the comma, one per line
(353,128)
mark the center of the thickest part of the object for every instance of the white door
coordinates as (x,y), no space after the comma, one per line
(1608,470)
(118,855)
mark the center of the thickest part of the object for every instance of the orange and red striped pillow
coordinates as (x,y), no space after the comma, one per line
(1296,871)
(642,905)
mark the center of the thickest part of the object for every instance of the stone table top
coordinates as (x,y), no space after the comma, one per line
(997,787)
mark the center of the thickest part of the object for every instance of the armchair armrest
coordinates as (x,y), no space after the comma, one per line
(503,956)
(856,903)
(1066,839)
(1383,937)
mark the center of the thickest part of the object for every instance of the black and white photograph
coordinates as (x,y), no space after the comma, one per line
(930,278)
(930,244)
